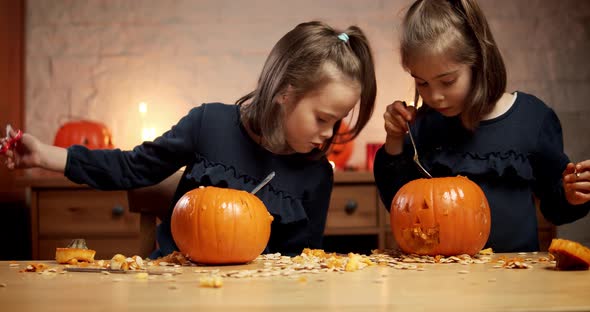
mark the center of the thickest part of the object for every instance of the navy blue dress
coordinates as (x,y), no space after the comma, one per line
(511,157)
(214,146)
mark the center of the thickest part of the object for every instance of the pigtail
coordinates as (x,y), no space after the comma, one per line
(360,46)
(296,64)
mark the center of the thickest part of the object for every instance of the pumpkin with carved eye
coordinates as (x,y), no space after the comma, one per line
(92,134)
(440,216)
(220,226)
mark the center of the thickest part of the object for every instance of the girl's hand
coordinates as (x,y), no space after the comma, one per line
(396,117)
(576,182)
(25,154)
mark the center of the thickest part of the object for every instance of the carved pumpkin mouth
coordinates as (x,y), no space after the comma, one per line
(422,240)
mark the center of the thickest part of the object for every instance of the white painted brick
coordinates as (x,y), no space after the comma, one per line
(43,41)
(72,72)
(48,12)
(188,52)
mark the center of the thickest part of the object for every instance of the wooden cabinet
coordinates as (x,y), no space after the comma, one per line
(356,218)
(61,211)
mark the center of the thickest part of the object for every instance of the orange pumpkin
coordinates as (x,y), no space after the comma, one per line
(440,216)
(340,152)
(93,135)
(220,226)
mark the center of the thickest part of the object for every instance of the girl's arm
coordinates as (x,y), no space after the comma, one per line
(392,172)
(550,166)
(54,157)
(30,152)
(147,164)
(392,168)
(396,118)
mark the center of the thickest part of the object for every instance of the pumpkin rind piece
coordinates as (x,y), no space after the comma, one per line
(569,255)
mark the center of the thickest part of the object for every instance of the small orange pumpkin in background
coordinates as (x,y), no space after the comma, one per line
(92,134)
(440,216)
(340,153)
(220,226)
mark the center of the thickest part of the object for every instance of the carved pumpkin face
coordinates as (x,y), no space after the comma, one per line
(93,135)
(220,226)
(440,216)
(340,152)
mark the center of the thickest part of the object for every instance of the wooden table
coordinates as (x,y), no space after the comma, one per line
(439,287)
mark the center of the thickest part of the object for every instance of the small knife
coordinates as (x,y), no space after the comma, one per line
(263,183)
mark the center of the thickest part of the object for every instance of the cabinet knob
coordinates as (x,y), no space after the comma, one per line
(118,211)
(350,206)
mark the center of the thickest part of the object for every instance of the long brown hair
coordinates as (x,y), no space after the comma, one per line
(298,60)
(457,28)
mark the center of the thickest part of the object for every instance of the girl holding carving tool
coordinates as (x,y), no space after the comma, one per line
(313,77)
(510,144)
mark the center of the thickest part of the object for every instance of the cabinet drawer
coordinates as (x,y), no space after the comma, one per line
(353,206)
(105,248)
(83,212)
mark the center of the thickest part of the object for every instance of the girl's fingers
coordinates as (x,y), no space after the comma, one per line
(396,124)
(402,123)
(397,116)
(393,129)
(583,165)
(9,163)
(569,169)
(412,111)
(582,186)
(569,173)
(579,198)
(406,112)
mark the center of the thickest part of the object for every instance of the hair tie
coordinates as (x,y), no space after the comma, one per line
(343,37)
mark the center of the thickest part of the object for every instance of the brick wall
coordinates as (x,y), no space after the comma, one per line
(99,59)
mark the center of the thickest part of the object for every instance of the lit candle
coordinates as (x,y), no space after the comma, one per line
(142,109)
(147,133)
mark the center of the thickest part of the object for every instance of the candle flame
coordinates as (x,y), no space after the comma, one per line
(143,108)
(148,134)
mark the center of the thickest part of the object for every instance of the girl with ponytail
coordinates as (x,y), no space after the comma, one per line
(313,77)
(467,124)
